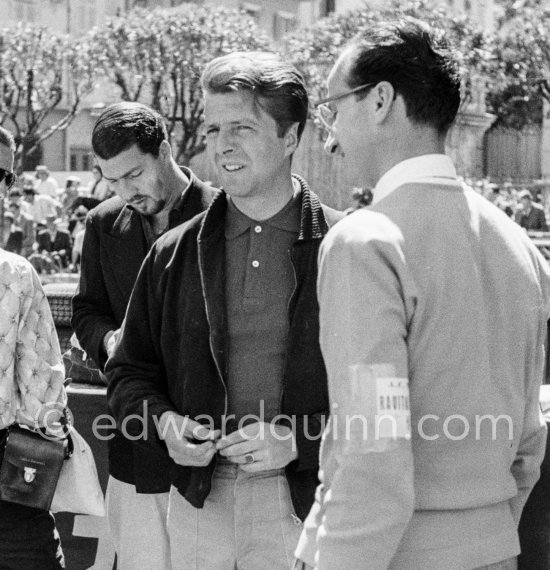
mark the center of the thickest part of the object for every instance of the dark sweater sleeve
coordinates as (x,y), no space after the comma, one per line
(137,381)
(92,316)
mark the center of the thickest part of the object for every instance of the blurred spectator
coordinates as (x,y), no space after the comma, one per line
(97,191)
(362,196)
(12,236)
(41,205)
(16,195)
(26,223)
(76,223)
(46,182)
(492,193)
(531,216)
(71,193)
(99,187)
(78,242)
(55,241)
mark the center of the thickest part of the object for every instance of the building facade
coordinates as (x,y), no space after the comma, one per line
(62,16)
(70,149)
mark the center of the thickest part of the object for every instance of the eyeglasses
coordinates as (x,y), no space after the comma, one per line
(8,176)
(326,113)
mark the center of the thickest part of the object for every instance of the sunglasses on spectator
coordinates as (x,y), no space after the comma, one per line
(8,176)
(326,113)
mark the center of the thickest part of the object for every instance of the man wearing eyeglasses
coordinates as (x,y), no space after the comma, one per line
(434,360)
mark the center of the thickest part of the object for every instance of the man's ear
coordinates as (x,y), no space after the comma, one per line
(291,139)
(165,150)
(384,97)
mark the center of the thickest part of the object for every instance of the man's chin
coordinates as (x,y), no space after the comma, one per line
(147,209)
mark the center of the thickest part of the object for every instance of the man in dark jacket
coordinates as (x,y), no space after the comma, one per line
(12,235)
(219,351)
(153,194)
(531,216)
(55,241)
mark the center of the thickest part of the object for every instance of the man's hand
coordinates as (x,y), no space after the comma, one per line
(110,340)
(259,446)
(181,433)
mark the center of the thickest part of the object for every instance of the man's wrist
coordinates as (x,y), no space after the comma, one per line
(164,420)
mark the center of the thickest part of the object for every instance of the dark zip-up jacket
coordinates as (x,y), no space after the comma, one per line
(114,249)
(172,355)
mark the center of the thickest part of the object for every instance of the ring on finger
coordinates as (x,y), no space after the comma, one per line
(249,458)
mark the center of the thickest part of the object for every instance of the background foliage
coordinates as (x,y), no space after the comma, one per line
(34,83)
(156,57)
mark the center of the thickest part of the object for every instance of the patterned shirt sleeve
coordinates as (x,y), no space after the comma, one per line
(31,367)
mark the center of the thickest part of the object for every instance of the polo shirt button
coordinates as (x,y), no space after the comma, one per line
(258,229)
(255,263)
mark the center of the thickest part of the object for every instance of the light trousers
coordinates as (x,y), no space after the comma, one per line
(508,564)
(137,523)
(247,523)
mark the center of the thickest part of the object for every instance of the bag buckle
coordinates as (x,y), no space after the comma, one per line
(30,474)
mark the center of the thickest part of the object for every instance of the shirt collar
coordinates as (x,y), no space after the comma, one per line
(178,203)
(287,219)
(423,168)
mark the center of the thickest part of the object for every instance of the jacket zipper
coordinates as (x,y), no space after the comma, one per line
(289,327)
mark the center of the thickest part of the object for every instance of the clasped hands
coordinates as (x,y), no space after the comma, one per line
(258,446)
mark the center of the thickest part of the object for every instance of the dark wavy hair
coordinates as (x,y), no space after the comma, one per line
(278,87)
(123,125)
(416,60)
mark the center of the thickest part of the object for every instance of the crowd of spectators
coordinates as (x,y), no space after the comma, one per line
(45,223)
(522,203)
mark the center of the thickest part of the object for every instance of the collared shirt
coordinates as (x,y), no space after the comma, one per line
(426,168)
(258,286)
(173,220)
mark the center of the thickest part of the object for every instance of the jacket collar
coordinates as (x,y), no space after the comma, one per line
(313,224)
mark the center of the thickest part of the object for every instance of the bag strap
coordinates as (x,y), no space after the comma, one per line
(66,423)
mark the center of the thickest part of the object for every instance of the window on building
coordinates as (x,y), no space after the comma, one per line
(80,159)
(86,15)
(253,10)
(283,23)
(25,10)
(327,7)
(467,6)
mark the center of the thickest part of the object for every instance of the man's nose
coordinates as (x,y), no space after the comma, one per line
(225,142)
(123,188)
(331,144)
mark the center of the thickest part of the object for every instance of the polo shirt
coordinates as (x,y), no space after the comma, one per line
(258,285)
